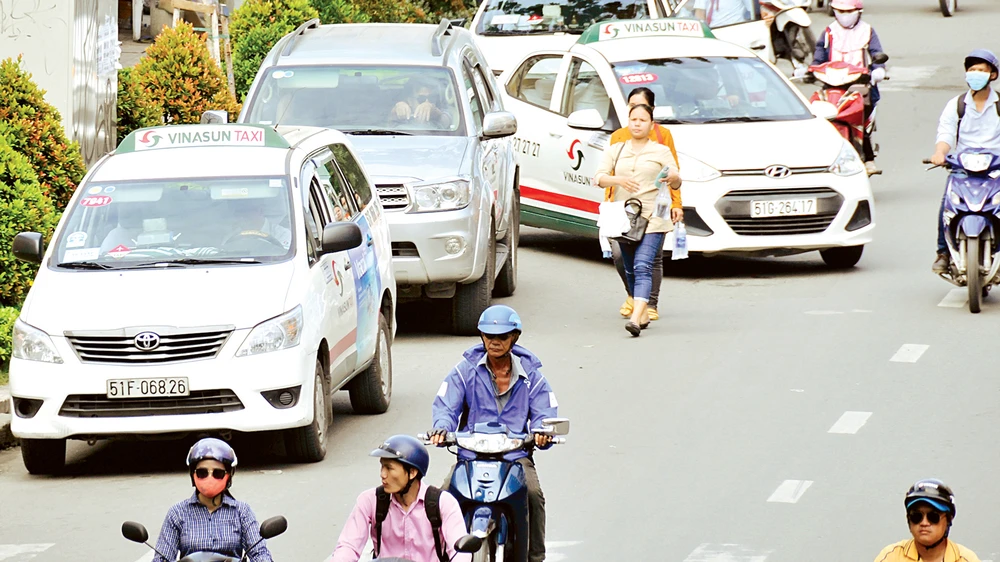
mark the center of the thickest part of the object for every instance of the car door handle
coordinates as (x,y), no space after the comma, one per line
(556,135)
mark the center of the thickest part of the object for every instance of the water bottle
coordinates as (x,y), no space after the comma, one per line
(680,242)
(663,195)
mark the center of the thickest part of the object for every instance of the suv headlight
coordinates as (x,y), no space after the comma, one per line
(445,195)
(693,169)
(32,344)
(848,163)
(277,333)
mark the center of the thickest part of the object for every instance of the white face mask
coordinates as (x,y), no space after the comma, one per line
(849,19)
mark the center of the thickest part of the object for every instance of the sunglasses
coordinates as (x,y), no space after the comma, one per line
(498,336)
(217,473)
(916,517)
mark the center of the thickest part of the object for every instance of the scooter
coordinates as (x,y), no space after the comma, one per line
(492,490)
(791,36)
(270,528)
(972,223)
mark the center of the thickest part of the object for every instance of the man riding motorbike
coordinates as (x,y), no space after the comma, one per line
(499,381)
(969,121)
(404,517)
(930,511)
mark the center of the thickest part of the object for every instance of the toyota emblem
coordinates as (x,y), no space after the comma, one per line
(777,172)
(147,341)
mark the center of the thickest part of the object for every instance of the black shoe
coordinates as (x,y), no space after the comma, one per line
(633,328)
(941,264)
(644,326)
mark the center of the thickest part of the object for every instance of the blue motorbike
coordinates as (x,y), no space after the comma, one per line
(270,528)
(972,223)
(492,490)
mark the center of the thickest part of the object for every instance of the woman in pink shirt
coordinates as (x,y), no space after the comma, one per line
(407,531)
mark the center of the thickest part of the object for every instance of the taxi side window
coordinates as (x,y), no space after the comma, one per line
(474,101)
(353,174)
(535,80)
(337,197)
(584,90)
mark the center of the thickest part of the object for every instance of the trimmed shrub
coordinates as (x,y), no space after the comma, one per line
(34,128)
(136,107)
(340,11)
(255,27)
(179,73)
(23,207)
(8,314)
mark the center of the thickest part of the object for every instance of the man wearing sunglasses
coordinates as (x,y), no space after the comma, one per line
(500,381)
(420,106)
(930,511)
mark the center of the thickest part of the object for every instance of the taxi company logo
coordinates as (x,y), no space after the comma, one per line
(610,31)
(576,157)
(150,137)
(777,172)
(147,341)
(216,136)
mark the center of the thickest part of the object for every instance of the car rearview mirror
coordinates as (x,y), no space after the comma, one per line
(134,532)
(468,544)
(587,119)
(340,236)
(214,117)
(274,526)
(29,247)
(556,426)
(498,124)
(823,109)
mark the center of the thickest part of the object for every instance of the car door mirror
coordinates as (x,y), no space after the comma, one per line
(340,236)
(823,109)
(587,119)
(556,426)
(29,247)
(274,526)
(134,532)
(214,116)
(498,124)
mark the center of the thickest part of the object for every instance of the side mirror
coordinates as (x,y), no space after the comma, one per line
(499,124)
(340,236)
(214,117)
(29,247)
(134,532)
(880,58)
(556,426)
(468,544)
(823,109)
(587,119)
(274,526)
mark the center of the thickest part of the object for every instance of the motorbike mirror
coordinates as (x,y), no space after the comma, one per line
(556,426)
(468,544)
(134,532)
(273,527)
(880,58)
(823,109)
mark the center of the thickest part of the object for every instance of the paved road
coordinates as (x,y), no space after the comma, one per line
(778,411)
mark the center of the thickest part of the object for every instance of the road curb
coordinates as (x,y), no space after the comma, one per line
(7,438)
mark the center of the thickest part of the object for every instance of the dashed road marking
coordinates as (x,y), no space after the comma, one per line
(22,552)
(790,491)
(850,422)
(956,298)
(909,353)
(707,552)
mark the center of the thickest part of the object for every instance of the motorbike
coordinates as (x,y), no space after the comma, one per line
(845,87)
(270,528)
(491,490)
(791,36)
(972,223)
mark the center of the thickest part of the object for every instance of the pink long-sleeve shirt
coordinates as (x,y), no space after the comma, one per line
(405,534)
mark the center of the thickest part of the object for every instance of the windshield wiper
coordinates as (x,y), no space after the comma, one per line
(84,265)
(743,119)
(211,261)
(377,132)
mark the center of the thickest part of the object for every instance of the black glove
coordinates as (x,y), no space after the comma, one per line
(437,431)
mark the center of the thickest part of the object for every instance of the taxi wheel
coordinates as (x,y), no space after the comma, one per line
(842,258)
(471,300)
(507,280)
(371,390)
(43,456)
(308,444)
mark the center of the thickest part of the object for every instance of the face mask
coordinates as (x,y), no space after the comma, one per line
(848,20)
(210,487)
(977,79)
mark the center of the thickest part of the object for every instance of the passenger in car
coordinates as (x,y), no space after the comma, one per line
(420,104)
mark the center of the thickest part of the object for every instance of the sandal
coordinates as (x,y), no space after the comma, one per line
(626,309)
(653,314)
(633,328)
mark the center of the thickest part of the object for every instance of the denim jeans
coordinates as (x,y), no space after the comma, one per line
(942,245)
(654,295)
(638,262)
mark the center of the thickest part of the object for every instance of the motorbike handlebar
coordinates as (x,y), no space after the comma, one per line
(926,161)
(450,439)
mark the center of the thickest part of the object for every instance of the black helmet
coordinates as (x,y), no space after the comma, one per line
(934,493)
(407,450)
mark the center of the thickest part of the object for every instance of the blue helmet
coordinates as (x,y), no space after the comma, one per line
(405,449)
(933,492)
(214,449)
(982,55)
(499,319)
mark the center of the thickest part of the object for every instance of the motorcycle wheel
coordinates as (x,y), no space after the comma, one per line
(949,7)
(972,273)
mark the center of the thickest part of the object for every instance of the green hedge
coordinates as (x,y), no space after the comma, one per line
(8,315)
(255,27)
(137,108)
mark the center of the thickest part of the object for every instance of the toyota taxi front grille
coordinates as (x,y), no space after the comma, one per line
(199,402)
(172,347)
(393,196)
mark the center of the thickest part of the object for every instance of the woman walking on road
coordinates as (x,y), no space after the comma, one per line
(630,168)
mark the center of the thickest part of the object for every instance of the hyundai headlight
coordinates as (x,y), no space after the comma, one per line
(976,162)
(695,170)
(848,163)
(494,443)
(282,332)
(955,198)
(441,196)
(32,344)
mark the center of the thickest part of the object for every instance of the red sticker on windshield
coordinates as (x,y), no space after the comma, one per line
(96,201)
(120,252)
(641,78)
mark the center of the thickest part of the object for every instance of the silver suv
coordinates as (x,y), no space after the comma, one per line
(424,113)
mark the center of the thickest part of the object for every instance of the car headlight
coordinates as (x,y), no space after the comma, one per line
(32,344)
(848,163)
(277,333)
(441,195)
(976,162)
(693,169)
(955,198)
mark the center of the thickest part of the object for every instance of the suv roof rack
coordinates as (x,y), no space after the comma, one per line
(437,40)
(299,31)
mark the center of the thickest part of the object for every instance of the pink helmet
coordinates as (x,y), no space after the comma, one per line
(847,5)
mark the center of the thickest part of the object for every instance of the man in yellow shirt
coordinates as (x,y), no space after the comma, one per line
(930,511)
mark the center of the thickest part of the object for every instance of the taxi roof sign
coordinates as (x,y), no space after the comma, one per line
(627,29)
(191,136)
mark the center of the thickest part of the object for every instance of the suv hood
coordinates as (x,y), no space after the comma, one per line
(402,159)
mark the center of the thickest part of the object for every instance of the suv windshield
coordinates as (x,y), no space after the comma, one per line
(414,100)
(520,17)
(713,89)
(127,224)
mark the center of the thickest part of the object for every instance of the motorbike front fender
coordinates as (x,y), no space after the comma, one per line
(481,523)
(798,16)
(973,225)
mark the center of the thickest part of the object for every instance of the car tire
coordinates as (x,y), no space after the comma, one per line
(506,282)
(371,390)
(308,443)
(472,299)
(842,258)
(43,456)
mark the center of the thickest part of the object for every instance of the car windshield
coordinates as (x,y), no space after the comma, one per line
(129,224)
(415,100)
(713,89)
(522,17)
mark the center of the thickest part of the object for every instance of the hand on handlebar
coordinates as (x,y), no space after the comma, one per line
(542,439)
(437,437)
(937,159)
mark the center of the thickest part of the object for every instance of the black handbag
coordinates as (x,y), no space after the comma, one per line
(637,222)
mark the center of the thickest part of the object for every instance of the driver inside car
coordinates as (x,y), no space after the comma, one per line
(251,221)
(420,105)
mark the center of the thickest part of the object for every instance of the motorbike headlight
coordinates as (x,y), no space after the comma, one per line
(441,196)
(493,443)
(955,198)
(695,170)
(277,333)
(848,163)
(32,344)
(996,199)
(976,162)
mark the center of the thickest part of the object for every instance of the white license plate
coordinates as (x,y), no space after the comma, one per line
(782,208)
(146,388)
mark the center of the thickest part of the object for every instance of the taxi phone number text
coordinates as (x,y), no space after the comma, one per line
(527,147)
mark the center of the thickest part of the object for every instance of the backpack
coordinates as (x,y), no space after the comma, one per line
(431,506)
(961,115)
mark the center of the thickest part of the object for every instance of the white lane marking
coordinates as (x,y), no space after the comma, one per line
(707,552)
(21,552)
(909,353)
(550,546)
(956,298)
(147,557)
(850,422)
(797,389)
(790,491)
(907,77)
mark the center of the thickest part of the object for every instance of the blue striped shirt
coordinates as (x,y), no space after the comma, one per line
(189,527)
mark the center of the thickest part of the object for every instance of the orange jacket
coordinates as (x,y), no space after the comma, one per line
(661,135)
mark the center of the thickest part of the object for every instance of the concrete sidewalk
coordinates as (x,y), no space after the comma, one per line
(131,51)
